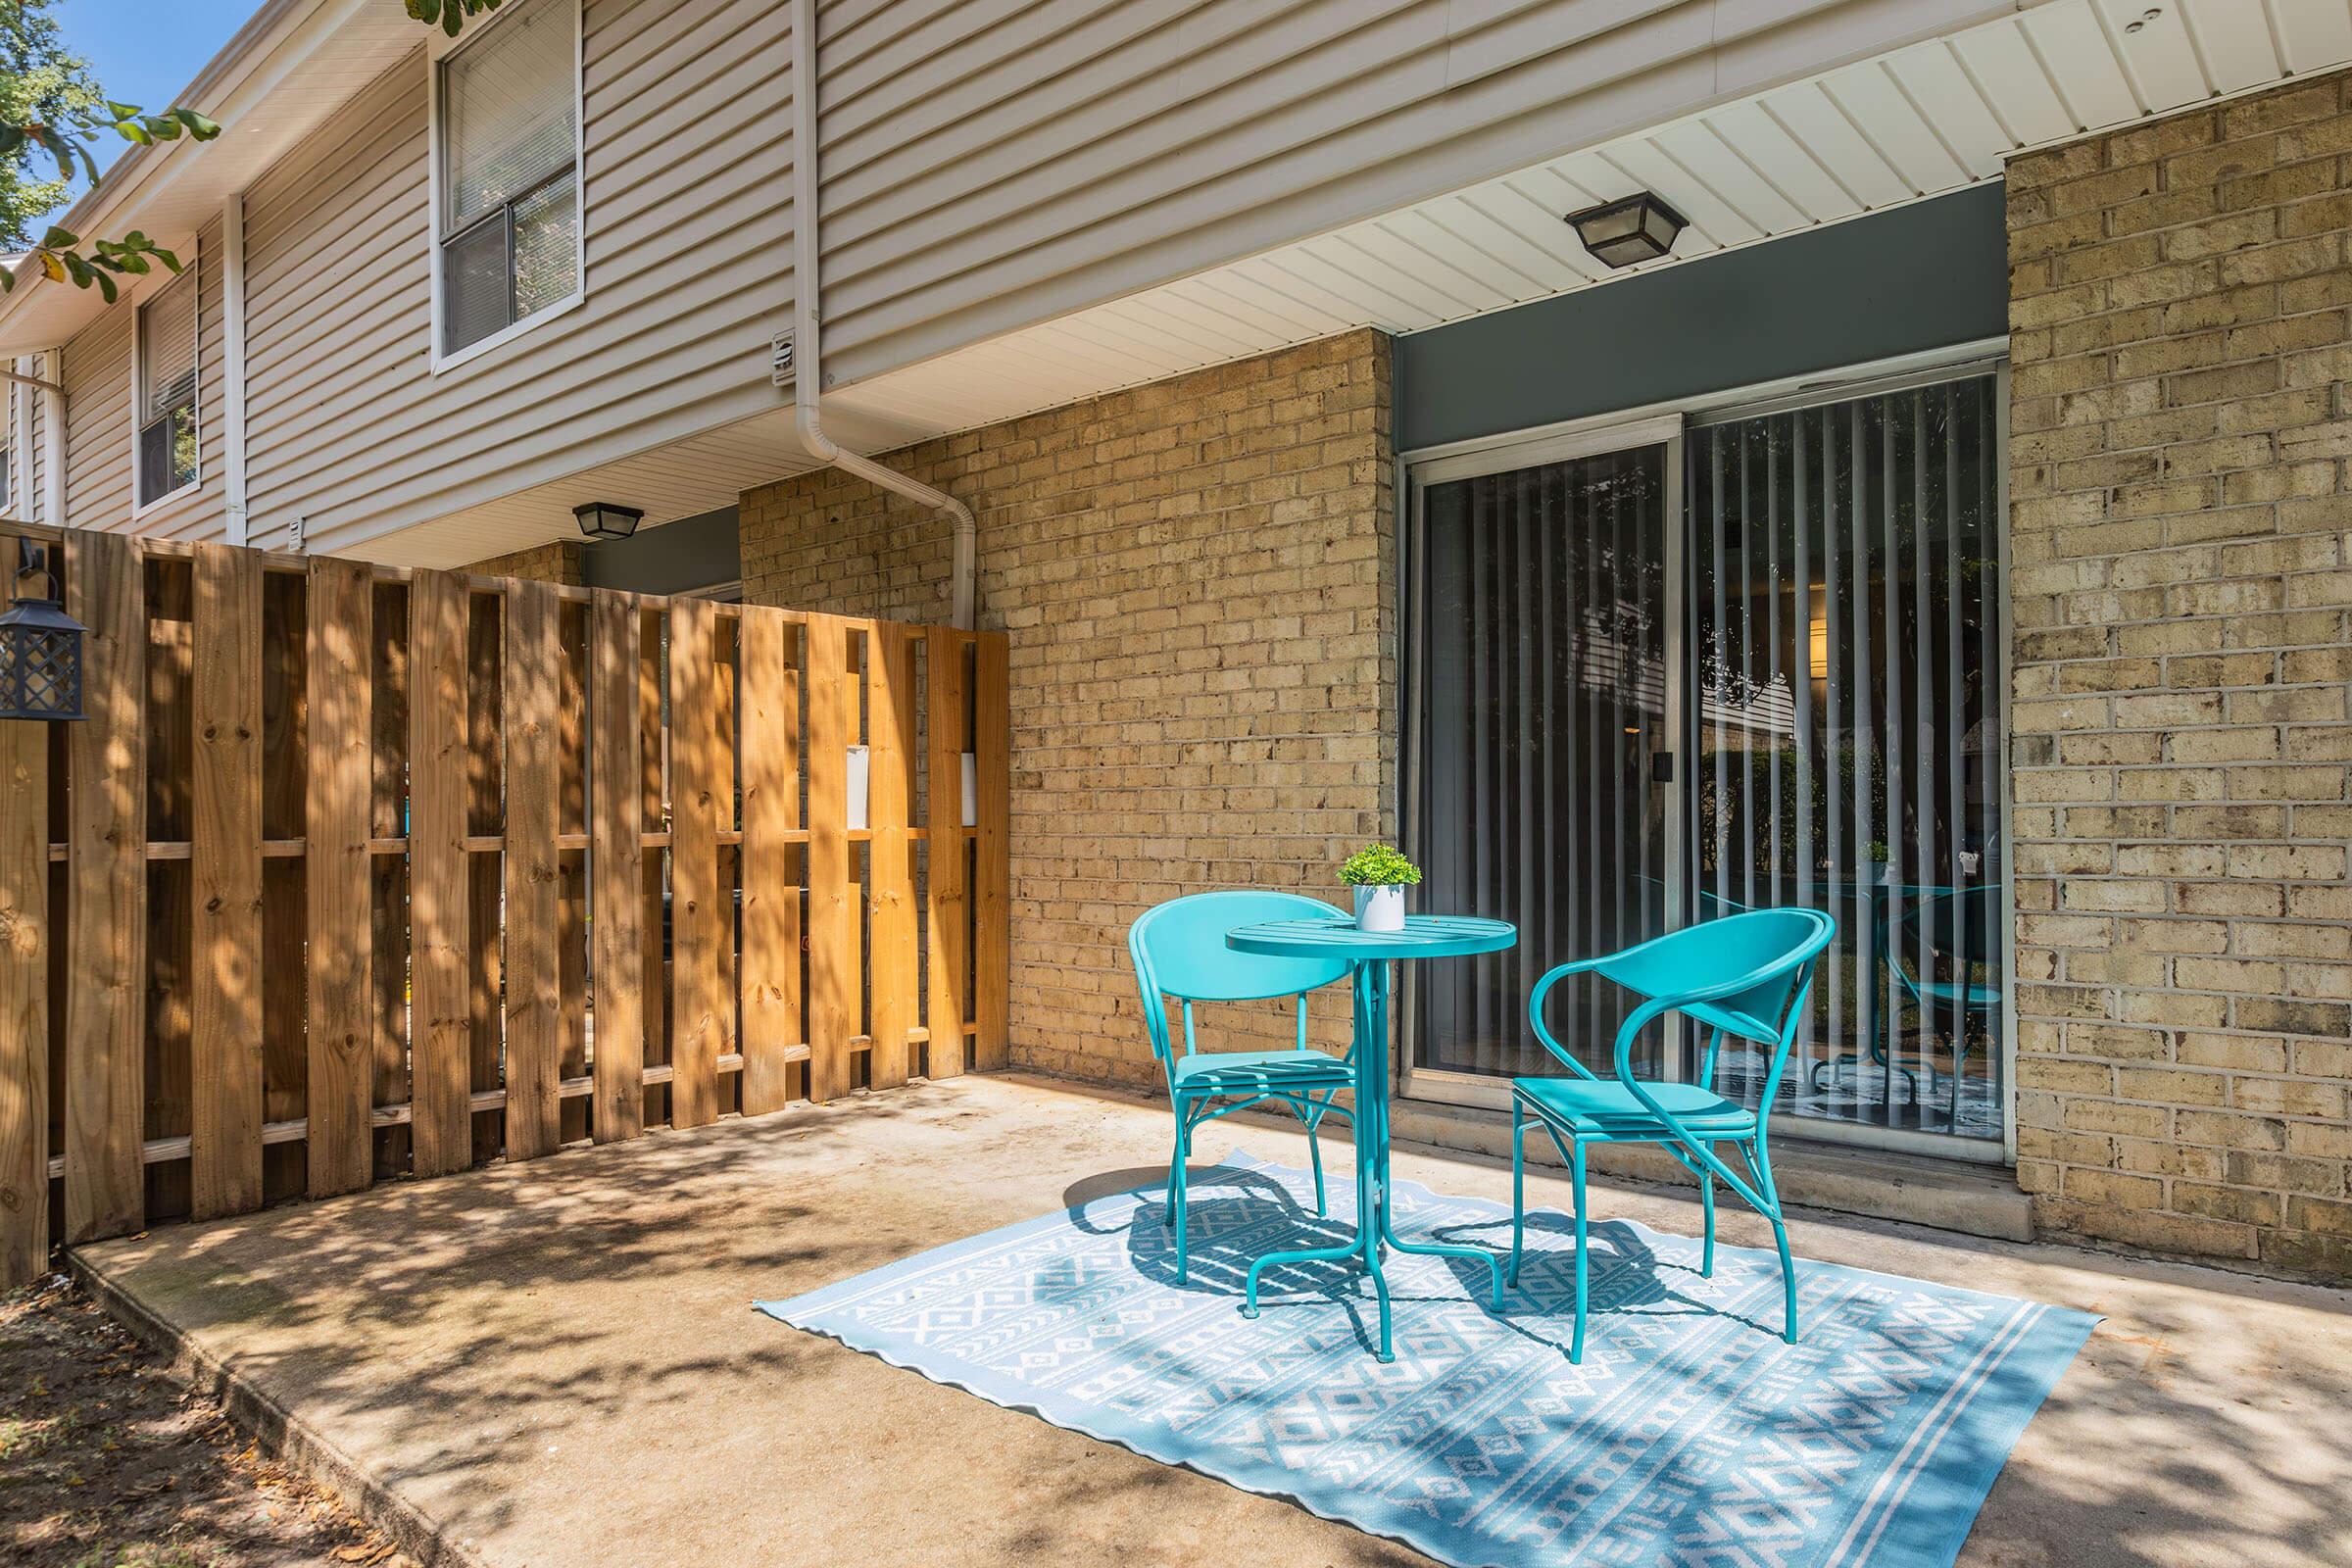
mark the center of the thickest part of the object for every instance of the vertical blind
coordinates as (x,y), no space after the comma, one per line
(1539,660)
(1847,724)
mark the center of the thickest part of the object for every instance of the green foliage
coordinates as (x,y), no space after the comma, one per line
(52,110)
(1379,866)
(449,15)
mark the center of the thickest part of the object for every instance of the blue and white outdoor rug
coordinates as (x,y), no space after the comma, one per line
(1691,1434)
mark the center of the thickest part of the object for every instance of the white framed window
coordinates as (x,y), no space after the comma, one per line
(164,455)
(507,245)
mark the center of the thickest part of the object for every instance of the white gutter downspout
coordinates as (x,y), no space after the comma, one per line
(808,376)
(233,368)
(53,440)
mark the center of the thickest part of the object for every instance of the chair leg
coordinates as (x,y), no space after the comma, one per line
(1575,1151)
(1184,1156)
(1314,1157)
(1518,1194)
(1754,1154)
(1167,1212)
(1706,1202)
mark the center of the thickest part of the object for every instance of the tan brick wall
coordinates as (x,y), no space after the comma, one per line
(2181,430)
(555,562)
(1192,575)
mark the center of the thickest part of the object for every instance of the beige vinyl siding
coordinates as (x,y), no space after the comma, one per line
(100,429)
(989,163)
(96,375)
(688,230)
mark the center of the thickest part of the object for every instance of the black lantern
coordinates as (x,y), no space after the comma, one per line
(602,520)
(40,647)
(1629,230)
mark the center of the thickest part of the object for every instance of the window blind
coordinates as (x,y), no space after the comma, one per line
(168,348)
(507,105)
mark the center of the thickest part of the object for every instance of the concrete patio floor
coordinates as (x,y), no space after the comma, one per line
(556,1364)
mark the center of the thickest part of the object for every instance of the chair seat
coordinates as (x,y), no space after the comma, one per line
(1609,1109)
(1254,1071)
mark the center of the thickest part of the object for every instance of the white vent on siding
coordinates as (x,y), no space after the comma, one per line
(779,357)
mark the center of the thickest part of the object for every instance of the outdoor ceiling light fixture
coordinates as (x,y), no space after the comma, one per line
(40,647)
(1629,230)
(603,520)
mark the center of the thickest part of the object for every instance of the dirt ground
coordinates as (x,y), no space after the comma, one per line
(109,1461)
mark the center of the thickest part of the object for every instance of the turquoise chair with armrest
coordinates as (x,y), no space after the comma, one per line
(1179,951)
(1745,975)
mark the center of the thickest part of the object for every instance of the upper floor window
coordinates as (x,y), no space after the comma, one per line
(509,171)
(166,389)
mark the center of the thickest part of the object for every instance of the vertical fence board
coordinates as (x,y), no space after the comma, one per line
(894,965)
(653,750)
(388,890)
(285,785)
(226,869)
(171,915)
(533,871)
(992,740)
(770,698)
(340,877)
(832,934)
(697,1022)
(572,922)
(949,913)
(24,1002)
(440,1071)
(486,633)
(617,872)
(105,1001)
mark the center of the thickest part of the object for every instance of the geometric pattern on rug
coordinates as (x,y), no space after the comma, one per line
(1691,1436)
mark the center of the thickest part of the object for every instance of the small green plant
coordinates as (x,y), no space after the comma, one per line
(1378,865)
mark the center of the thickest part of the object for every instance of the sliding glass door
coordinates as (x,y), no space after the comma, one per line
(1543,690)
(1754,660)
(1845,734)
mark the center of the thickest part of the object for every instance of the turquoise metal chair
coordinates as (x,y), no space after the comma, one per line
(1179,951)
(1745,975)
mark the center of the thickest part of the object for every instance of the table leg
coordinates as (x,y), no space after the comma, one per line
(1387,1224)
(1371,1106)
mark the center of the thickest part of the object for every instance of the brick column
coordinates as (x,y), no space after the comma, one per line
(2179,430)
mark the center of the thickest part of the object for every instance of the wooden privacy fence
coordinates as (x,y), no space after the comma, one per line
(355,873)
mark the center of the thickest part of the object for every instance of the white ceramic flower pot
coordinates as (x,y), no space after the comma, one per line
(1380,909)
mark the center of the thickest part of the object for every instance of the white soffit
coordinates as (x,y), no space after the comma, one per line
(1930,118)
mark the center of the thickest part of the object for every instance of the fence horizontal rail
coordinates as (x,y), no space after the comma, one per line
(356,872)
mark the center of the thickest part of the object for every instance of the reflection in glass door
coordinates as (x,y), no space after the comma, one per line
(1845,725)
(1542,686)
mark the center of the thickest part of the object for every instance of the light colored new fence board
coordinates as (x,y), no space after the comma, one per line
(105,1001)
(533,871)
(992,951)
(225,1129)
(946,926)
(440,1052)
(770,692)
(617,870)
(367,871)
(24,1004)
(896,974)
(340,877)
(697,1008)
(833,980)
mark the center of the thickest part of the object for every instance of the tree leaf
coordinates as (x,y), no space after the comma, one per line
(59,238)
(54,267)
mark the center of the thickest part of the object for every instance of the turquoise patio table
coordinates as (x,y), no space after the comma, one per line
(1369,954)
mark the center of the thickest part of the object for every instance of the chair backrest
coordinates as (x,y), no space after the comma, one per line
(1179,951)
(1772,948)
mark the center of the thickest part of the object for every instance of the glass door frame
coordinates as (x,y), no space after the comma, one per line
(1665,424)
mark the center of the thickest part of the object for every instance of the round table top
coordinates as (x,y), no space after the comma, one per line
(1424,936)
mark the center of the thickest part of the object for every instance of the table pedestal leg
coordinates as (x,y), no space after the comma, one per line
(1375,1224)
